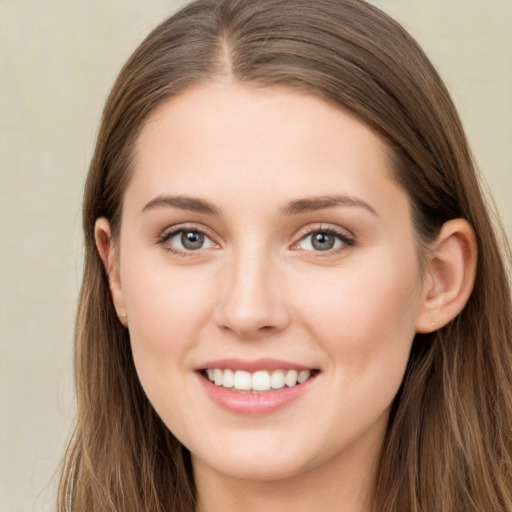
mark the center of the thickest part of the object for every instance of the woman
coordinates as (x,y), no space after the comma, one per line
(293,295)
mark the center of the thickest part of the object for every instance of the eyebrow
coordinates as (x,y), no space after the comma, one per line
(312,204)
(296,207)
(191,204)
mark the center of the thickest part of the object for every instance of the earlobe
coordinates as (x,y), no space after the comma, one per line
(107,252)
(450,274)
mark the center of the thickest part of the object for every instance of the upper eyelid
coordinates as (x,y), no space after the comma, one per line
(319,228)
(173,230)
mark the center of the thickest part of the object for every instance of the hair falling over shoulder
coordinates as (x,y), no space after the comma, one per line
(449,439)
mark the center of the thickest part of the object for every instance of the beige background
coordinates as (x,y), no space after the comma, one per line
(57,62)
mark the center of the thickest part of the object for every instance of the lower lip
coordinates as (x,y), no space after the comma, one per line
(254,404)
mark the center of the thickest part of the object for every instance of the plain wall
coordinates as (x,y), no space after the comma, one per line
(58,60)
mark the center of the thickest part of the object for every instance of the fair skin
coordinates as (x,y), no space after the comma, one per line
(262,230)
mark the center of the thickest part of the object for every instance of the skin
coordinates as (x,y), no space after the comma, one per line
(258,288)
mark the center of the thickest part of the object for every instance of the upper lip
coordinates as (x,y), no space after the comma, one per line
(253,365)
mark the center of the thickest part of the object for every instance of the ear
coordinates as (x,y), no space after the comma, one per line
(108,255)
(449,276)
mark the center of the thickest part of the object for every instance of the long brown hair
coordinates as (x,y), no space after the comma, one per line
(449,440)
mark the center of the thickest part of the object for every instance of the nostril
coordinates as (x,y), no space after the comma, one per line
(251,309)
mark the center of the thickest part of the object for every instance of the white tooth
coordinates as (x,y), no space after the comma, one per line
(228,379)
(261,381)
(304,376)
(291,378)
(218,377)
(242,380)
(277,379)
(210,373)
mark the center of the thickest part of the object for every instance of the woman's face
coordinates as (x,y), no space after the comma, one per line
(266,246)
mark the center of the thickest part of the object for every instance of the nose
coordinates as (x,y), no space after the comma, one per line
(252,299)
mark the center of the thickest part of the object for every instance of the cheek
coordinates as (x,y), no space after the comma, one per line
(364,317)
(364,322)
(166,308)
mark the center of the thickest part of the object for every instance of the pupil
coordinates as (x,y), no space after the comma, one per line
(192,240)
(322,241)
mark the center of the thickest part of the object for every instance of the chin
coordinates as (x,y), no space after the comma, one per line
(256,469)
(266,461)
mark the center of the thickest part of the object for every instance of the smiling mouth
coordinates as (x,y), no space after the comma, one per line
(259,381)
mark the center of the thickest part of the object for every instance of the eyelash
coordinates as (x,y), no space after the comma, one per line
(346,240)
(167,236)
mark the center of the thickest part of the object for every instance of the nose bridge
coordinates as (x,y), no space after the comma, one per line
(252,300)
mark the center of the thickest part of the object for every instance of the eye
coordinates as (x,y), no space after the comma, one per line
(323,240)
(185,240)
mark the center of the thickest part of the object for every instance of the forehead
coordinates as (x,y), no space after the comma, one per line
(269,142)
